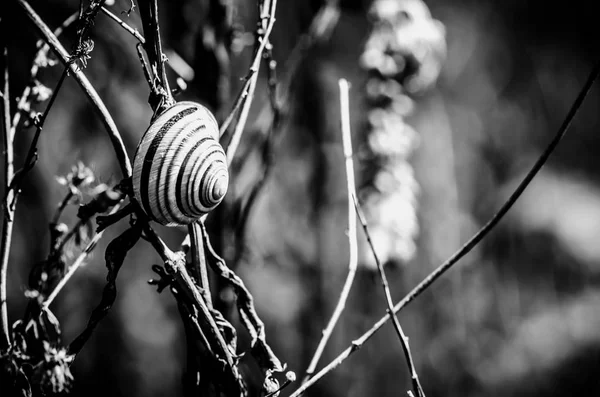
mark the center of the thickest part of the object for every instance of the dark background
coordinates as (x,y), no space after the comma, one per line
(518,317)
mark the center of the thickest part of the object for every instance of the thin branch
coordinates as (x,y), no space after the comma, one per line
(75,265)
(199,261)
(80,16)
(467,247)
(31,158)
(9,215)
(244,98)
(320,30)
(124,25)
(231,148)
(86,86)
(236,106)
(141,42)
(175,267)
(145,68)
(42,53)
(61,207)
(416,384)
(246,95)
(160,64)
(353,259)
(156,57)
(87,19)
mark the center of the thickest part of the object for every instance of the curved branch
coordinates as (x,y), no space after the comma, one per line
(86,86)
(469,245)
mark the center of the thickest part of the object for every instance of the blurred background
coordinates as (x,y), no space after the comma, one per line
(519,316)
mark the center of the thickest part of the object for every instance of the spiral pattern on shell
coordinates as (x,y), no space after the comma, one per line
(180,169)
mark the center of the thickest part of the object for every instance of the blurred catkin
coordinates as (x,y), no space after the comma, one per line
(402,56)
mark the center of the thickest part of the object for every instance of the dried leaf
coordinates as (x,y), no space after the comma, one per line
(114,256)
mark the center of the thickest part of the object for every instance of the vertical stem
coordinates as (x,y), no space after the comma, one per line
(199,260)
(353,257)
(160,66)
(153,46)
(9,209)
(418,389)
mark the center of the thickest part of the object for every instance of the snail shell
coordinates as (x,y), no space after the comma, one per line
(180,169)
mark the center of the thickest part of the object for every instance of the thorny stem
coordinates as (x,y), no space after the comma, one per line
(353,259)
(8,221)
(469,245)
(86,86)
(418,389)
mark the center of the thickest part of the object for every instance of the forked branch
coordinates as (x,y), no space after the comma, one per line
(469,245)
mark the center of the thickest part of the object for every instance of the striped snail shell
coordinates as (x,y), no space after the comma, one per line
(180,169)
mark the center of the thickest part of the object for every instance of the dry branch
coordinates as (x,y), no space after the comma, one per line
(352,241)
(467,247)
(86,86)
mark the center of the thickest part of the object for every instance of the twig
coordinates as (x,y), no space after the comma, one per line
(199,261)
(244,98)
(85,85)
(115,254)
(353,260)
(246,95)
(8,221)
(31,158)
(87,19)
(141,41)
(245,303)
(76,264)
(156,57)
(124,25)
(319,30)
(231,148)
(182,282)
(145,68)
(418,389)
(80,16)
(42,53)
(467,247)
(61,207)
